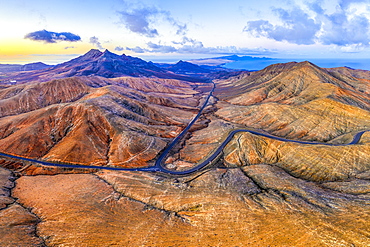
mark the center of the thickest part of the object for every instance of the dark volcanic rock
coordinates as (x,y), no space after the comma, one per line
(109,65)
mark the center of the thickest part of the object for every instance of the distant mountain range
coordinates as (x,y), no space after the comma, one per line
(109,65)
(200,71)
(221,61)
(257,63)
(185,67)
(25,67)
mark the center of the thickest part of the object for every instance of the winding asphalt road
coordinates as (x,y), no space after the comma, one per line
(159,167)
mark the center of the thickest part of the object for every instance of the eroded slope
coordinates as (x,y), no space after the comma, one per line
(122,121)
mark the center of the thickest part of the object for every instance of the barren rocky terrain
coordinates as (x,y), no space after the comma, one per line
(311,187)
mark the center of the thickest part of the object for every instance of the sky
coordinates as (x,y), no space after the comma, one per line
(54,31)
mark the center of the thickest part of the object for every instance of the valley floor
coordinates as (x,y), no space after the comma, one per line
(258,205)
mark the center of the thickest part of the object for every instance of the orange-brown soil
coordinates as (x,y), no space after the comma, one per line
(260,192)
(260,205)
(122,121)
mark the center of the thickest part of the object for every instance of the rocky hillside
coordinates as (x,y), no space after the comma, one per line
(123,121)
(296,101)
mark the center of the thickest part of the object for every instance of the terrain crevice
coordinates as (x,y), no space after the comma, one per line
(37,222)
(18,223)
(147,205)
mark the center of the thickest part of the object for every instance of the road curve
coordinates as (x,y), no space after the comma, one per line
(214,155)
(159,164)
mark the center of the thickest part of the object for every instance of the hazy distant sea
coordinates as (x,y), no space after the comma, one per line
(324,63)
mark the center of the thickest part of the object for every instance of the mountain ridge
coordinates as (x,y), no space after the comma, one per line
(97,63)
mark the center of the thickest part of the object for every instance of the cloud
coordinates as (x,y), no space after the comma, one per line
(137,49)
(161,48)
(186,45)
(345,3)
(137,21)
(95,41)
(69,47)
(196,47)
(185,40)
(52,37)
(343,29)
(119,48)
(297,27)
(141,21)
(312,24)
(181,29)
(352,48)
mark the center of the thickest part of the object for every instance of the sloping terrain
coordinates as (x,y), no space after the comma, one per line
(259,191)
(296,101)
(122,121)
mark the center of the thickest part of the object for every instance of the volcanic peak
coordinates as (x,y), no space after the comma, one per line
(107,64)
(92,54)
